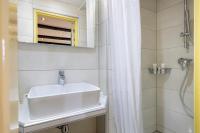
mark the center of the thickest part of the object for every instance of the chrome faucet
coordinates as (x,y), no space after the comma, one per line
(184,62)
(61,77)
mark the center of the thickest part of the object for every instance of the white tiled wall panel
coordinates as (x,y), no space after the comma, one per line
(148,38)
(148,19)
(148,15)
(164,4)
(170,17)
(171,117)
(170,56)
(176,122)
(148,4)
(42,57)
(148,58)
(170,37)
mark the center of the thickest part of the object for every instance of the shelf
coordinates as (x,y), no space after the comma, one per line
(160,71)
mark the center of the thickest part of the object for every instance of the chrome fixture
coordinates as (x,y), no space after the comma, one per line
(64,128)
(61,77)
(159,69)
(185,65)
(187,31)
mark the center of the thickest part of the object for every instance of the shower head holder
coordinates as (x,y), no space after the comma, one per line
(184,62)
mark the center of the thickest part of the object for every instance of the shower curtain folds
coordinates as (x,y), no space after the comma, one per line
(125,40)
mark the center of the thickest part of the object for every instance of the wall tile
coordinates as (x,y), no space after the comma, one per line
(55,6)
(170,37)
(25,10)
(148,19)
(103,55)
(170,56)
(177,122)
(111,108)
(109,56)
(164,130)
(112,128)
(148,80)
(149,4)
(164,20)
(29,1)
(149,118)
(149,98)
(171,117)
(164,4)
(25,38)
(103,80)
(168,82)
(150,129)
(25,28)
(148,39)
(148,58)
(169,100)
(42,57)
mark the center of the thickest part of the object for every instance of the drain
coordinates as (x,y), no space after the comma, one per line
(157,131)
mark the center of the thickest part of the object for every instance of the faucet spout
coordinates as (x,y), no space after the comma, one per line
(61,77)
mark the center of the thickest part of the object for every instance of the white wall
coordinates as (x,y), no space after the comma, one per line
(170,114)
(148,15)
(104,57)
(39,64)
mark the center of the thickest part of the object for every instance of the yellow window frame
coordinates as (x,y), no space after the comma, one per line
(54,15)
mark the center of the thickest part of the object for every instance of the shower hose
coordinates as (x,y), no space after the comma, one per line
(182,93)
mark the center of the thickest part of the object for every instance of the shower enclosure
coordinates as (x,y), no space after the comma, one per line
(168,43)
(167,65)
(167,46)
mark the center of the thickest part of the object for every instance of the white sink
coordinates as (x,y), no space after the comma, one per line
(50,100)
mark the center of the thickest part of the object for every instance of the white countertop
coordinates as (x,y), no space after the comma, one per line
(28,125)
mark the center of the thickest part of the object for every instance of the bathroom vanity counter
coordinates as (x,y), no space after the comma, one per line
(27,124)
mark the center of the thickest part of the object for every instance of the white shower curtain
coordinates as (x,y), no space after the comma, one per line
(125,39)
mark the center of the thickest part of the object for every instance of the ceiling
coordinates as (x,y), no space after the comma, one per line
(73,2)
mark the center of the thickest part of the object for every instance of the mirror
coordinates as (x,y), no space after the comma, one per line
(50,28)
(58,22)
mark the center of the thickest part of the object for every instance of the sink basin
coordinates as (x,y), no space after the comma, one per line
(51,100)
